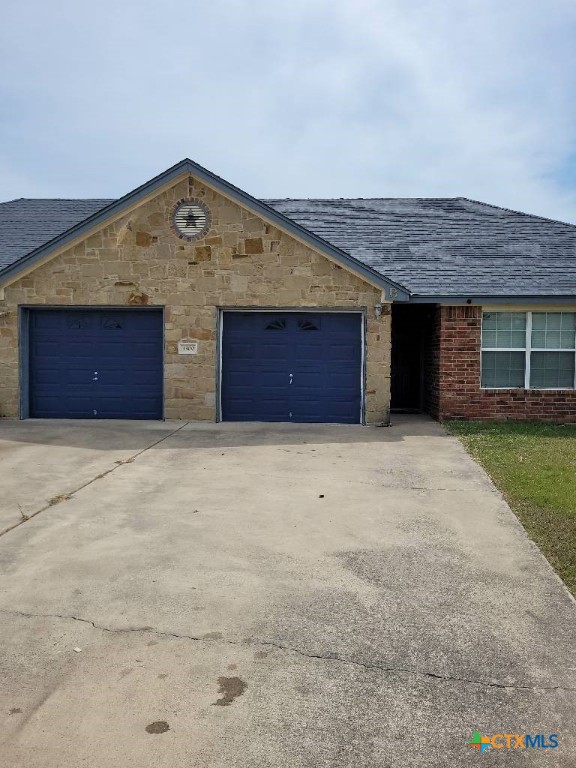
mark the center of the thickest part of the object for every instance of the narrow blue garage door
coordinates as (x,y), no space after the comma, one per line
(291,366)
(95,364)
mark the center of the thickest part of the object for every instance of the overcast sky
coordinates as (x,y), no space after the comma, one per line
(293,98)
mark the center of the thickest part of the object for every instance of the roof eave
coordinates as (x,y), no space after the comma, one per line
(493,299)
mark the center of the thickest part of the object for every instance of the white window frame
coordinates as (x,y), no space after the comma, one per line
(527,349)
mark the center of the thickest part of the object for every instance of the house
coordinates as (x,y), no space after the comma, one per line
(189,299)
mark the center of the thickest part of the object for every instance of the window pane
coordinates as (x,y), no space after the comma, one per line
(504,329)
(503,338)
(489,321)
(488,338)
(503,369)
(518,321)
(552,370)
(518,339)
(554,330)
(507,339)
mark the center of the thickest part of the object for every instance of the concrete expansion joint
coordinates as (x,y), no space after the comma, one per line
(367,666)
(67,496)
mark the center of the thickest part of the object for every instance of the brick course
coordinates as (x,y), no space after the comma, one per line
(452,377)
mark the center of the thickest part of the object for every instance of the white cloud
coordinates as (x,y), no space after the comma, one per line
(295,98)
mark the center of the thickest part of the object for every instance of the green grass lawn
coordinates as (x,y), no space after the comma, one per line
(534,465)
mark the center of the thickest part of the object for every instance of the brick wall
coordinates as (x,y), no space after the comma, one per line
(431,365)
(452,375)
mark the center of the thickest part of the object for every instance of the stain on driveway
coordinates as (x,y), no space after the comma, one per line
(230,688)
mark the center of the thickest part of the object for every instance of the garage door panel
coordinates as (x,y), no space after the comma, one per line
(276,379)
(296,367)
(271,351)
(240,379)
(276,408)
(342,352)
(72,378)
(78,407)
(241,351)
(342,380)
(340,413)
(45,348)
(116,407)
(308,379)
(96,363)
(309,352)
(47,376)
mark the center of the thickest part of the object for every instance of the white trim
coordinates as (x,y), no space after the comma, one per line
(527,355)
(218,403)
(363,316)
(523,389)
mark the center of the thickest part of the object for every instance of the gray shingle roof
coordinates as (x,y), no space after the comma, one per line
(433,247)
(450,246)
(25,224)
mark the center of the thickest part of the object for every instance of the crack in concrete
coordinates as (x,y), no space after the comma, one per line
(290,649)
(417,672)
(58,499)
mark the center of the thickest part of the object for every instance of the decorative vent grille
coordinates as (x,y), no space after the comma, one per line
(307,325)
(78,323)
(191,219)
(111,324)
(276,325)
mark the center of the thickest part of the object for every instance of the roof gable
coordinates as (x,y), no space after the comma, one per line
(99,218)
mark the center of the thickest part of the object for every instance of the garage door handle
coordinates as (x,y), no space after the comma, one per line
(291,378)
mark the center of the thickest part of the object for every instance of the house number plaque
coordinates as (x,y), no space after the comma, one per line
(187,347)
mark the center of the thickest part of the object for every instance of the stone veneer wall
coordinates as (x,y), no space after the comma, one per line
(453,378)
(242,262)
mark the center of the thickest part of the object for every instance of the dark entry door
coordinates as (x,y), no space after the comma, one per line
(406,374)
(292,366)
(409,323)
(95,363)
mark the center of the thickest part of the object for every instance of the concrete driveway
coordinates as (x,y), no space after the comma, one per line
(260,595)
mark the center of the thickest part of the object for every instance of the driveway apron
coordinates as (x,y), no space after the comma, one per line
(270,595)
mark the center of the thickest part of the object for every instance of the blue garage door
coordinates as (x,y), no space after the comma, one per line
(291,366)
(95,364)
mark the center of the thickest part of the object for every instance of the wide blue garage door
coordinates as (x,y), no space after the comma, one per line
(292,366)
(95,364)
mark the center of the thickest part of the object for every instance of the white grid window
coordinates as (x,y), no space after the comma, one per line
(529,350)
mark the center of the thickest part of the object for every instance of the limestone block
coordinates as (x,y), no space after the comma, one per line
(253,245)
